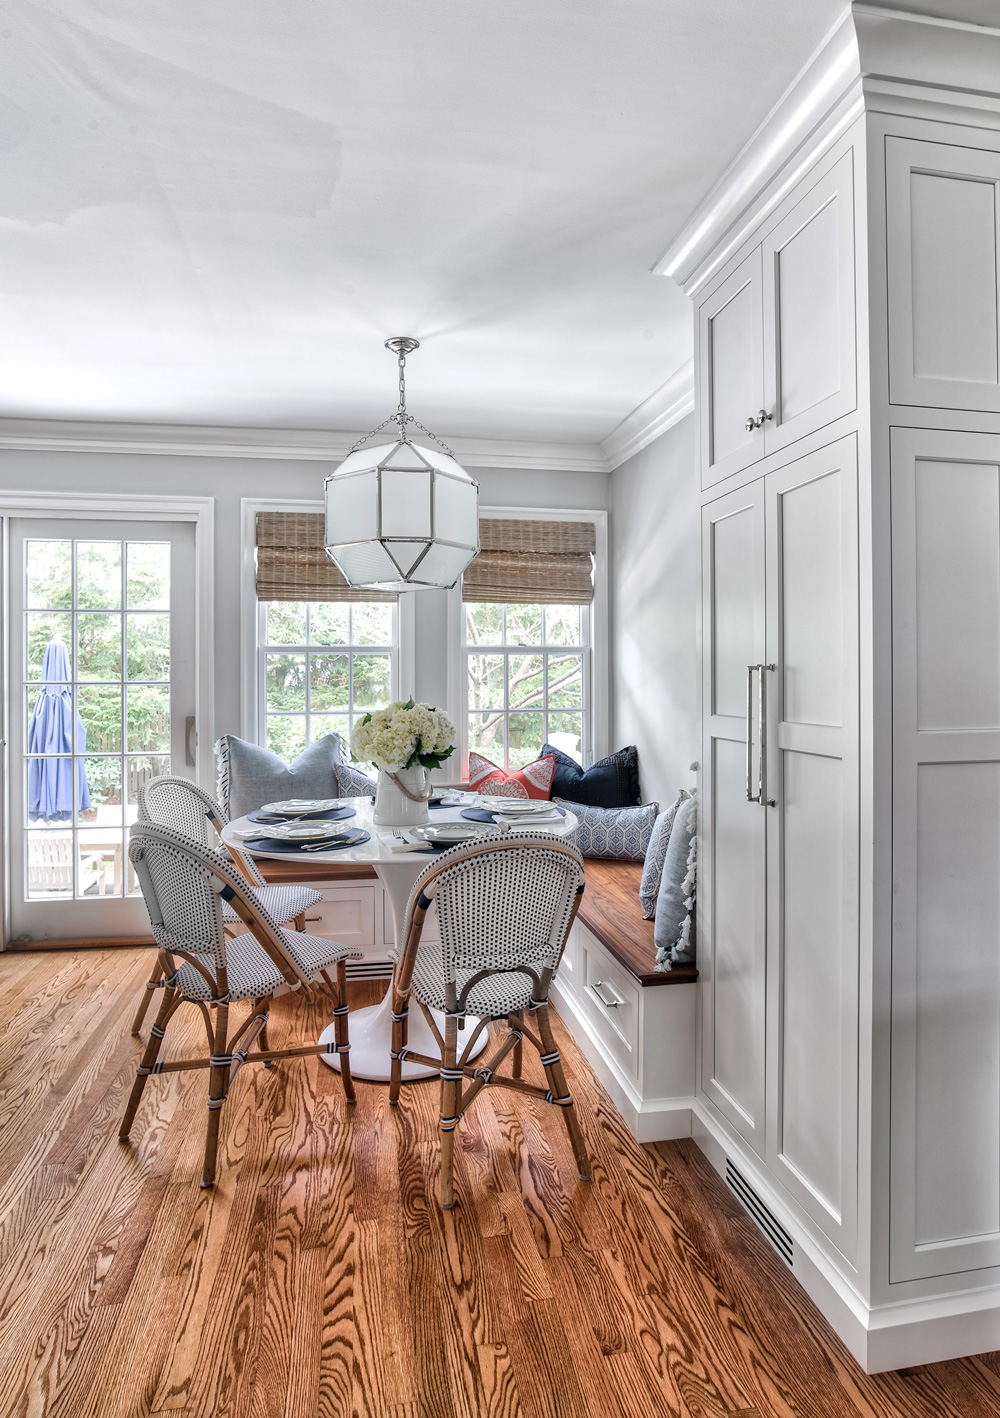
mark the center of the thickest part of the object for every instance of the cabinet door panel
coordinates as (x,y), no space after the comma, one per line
(943,252)
(813,841)
(810,355)
(945,1039)
(730,369)
(732,891)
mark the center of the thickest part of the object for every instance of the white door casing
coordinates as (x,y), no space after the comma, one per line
(71,879)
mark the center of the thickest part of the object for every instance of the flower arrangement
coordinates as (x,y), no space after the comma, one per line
(404,735)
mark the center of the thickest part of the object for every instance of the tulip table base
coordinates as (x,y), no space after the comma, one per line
(371,1041)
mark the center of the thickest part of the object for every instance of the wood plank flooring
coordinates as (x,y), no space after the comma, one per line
(320,1277)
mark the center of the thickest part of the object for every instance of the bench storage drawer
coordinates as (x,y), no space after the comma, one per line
(610,999)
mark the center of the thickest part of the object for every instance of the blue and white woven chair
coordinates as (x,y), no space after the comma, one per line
(185,886)
(180,804)
(505,909)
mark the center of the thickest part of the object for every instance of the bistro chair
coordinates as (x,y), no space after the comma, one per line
(505,909)
(180,804)
(185,885)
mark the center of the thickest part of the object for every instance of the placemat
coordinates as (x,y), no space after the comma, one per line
(327,815)
(273,844)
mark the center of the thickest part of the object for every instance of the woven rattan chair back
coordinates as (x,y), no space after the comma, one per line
(178,803)
(505,909)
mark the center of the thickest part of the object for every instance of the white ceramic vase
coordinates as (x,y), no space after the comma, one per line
(395,809)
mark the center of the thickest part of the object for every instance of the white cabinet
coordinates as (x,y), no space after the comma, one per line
(778,908)
(732,888)
(942,232)
(945,1104)
(777,353)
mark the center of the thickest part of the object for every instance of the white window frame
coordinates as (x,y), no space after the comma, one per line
(253,625)
(596,688)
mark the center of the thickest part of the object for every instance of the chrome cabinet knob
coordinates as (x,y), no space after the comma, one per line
(752,424)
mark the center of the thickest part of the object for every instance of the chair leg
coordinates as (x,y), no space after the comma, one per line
(556,1080)
(517,1058)
(451,1092)
(299,922)
(218,1087)
(170,1001)
(151,988)
(341,1032)
(398,1043)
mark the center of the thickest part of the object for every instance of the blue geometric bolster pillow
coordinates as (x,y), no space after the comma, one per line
(619,834)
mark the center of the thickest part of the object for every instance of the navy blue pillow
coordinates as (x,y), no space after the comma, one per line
(614,782)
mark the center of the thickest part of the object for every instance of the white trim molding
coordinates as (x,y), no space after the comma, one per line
(875,58)
(666,406)
(310,445)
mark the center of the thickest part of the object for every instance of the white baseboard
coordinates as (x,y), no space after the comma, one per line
(900,1335)
(648,1119)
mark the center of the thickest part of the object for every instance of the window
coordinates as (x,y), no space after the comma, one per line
(97,703)
(527,676)
(321,664)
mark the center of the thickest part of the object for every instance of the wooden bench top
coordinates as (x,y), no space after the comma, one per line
(611,910)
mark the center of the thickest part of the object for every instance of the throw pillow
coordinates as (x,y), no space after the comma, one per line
(534,780)
(354,784)
(671,908)
(614,782)
(652,869)
(250,775)
(619,834)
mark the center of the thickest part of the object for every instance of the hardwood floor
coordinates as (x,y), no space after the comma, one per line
(320,1277)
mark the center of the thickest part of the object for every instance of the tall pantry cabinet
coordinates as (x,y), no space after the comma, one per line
(847,393)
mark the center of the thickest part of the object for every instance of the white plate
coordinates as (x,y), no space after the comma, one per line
(518,807)
(295,807)
(308,831)
(454,832)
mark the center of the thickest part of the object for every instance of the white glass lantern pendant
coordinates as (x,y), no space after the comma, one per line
(401,516)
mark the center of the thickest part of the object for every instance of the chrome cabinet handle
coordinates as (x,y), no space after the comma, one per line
(750,672)
(607,1003)
(752,424)
(762,737)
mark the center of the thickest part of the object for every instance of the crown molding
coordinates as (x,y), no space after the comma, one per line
(665,406)
(876,57)
(196,441)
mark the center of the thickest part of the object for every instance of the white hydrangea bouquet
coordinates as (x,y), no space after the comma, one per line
(405,741)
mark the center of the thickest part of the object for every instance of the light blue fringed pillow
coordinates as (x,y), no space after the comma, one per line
(675,901)
(620,834)
(354,784)
(656,852)
(250,775)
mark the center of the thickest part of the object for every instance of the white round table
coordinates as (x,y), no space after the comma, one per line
(371,1028)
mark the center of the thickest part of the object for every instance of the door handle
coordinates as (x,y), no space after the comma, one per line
(758,796)
(190,732)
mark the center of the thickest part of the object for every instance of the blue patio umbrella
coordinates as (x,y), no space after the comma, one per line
(50,731)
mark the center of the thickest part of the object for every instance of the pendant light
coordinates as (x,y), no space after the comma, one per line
(401,516)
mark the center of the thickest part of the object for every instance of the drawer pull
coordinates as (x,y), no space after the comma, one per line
(598,988)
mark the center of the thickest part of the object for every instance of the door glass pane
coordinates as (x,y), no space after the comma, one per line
(99,575)
(77,773)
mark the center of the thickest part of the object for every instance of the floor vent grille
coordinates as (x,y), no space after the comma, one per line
(368,969)
(763,1215)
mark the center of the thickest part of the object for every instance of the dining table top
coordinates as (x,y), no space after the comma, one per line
(378,849)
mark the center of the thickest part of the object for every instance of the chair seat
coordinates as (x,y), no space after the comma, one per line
(493,997)
(284,903)
(252,972)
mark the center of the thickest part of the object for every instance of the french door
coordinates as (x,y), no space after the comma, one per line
(102,694)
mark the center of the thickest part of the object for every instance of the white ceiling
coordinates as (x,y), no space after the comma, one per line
(214,211)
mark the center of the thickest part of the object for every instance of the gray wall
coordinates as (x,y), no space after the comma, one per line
(229,479)
(654,579)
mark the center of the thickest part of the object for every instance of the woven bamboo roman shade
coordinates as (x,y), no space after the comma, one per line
(292,565)
(529,562)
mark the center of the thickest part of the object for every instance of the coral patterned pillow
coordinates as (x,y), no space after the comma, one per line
(534,780)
